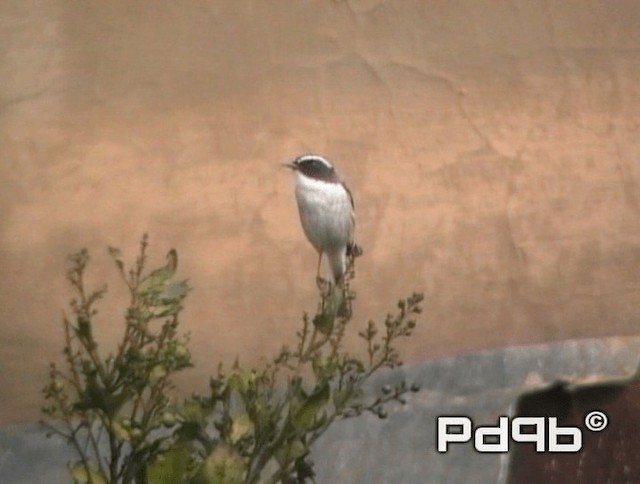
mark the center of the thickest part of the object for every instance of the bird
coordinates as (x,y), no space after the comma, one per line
(327,211)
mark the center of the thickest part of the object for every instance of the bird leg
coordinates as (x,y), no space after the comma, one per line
(320,281)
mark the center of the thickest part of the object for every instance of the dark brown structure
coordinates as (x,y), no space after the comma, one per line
(611,455)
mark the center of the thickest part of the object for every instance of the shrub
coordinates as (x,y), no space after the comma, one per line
(252,424)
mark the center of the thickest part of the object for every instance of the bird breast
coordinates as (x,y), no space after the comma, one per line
(325,213)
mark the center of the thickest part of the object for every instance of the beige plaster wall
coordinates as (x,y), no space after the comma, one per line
(492,147)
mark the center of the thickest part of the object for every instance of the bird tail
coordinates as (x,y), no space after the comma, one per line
(337,263)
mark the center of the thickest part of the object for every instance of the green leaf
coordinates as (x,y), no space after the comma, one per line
(155,282)
(304,418)
(157,372)
(168,419)
(241,380)
(82,474)
(223,466)
(119,430)
(324,321)
(265,418)
(334,306)
(158,280)
(290,452)
(188,431)
(174,291)
(83,330)
(169,468)
(341,397)
(304,469)
(114,402)
(323,366)
(192,411)
(94,396)
(241,426)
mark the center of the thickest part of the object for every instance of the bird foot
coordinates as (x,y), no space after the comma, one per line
(323,284)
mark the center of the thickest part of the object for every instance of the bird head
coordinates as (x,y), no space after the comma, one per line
(313,166)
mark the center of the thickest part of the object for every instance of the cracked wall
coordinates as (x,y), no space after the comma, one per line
(492,148)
